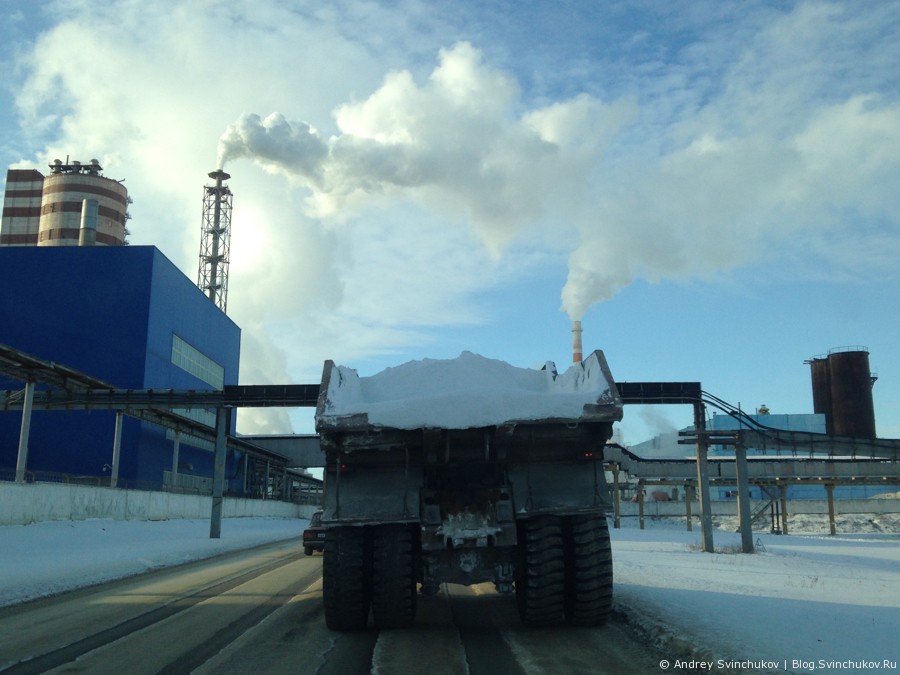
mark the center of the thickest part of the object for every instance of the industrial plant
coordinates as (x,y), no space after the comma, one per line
(124,318)
(130,375)
(74,205)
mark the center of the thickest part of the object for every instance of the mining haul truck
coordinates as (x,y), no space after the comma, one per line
(466,471)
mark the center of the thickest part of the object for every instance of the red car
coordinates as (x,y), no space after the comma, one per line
(314,535)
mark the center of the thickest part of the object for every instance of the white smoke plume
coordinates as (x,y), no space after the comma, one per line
(293,148)
(457,144)
(708,196)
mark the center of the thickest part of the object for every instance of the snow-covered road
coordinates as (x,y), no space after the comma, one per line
(802,603)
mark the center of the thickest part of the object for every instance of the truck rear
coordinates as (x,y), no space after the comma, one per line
(467,471)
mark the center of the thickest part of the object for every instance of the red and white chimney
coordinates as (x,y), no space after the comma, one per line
(577,355)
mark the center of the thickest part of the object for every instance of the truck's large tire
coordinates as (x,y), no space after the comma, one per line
(541,572)
(590,571)
(393,576)
(345,583)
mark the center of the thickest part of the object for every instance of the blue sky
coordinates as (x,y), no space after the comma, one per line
(710,186)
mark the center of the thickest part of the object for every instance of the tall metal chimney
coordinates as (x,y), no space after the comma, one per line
(577,355)
(215,237)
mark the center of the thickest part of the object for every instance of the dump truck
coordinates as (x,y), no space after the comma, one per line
(466,471)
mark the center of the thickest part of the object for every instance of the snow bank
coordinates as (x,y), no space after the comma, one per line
(48,558)
(467,392)
(801,603)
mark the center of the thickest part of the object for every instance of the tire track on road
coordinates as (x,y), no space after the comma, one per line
(63,655)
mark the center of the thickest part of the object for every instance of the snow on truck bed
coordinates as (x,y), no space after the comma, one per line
(467,392)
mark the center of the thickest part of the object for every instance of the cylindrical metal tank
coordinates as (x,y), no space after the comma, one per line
(821,389)
(853,411)
(90,209)
(21,207)
(64,191)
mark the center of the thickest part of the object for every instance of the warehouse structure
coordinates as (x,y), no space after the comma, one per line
(129,317)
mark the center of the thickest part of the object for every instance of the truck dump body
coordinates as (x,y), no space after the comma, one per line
(464,393)
(464,466)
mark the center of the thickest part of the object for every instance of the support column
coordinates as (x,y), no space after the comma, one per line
(117,451)
(176,449)
(784,513)
(22,458)
(617,507)
(703,478)
(743,486)
(641,503)
(688,498)
(829,488)
(215,519)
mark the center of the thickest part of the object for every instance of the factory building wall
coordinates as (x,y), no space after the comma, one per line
(111,313)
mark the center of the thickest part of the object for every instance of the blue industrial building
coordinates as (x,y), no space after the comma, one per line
(127,316)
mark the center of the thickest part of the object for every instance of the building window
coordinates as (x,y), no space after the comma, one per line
(196,363)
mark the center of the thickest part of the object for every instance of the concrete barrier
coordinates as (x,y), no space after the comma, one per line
(794,506)
(21,504)
(35,502)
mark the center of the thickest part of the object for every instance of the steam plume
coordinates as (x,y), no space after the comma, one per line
(294,148)
(465,144)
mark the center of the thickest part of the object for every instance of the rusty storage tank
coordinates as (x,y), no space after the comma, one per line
(65,193)
(852,408)
(821,389)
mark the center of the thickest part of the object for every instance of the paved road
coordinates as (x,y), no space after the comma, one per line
(260,611)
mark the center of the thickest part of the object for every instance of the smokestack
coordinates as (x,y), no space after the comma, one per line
(577,355)
(216,231)
(215,240)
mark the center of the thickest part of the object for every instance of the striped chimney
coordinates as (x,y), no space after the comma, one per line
(577,355)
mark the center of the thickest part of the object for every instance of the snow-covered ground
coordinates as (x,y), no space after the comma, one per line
(50,557)
(804,602)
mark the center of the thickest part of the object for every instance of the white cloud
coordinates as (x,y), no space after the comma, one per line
(457,143)
(785,148)
(429,170)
